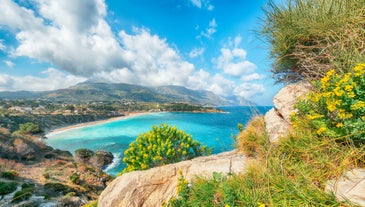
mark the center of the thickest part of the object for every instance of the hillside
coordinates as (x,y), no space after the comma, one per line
(98,91)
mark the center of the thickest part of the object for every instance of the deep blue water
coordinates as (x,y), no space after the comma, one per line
(212,129)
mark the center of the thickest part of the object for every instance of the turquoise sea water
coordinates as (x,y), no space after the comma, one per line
(212,129)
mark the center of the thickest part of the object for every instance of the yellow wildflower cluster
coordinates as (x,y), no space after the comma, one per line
(160,146)
(337,106)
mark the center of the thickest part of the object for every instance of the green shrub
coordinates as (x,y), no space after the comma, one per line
(7,187)
(91,204)
(337,107)
(9,174)
(75,178)
(29,128)
(162,145)
(84,153)
(55,189)
(25,193)
(310,37)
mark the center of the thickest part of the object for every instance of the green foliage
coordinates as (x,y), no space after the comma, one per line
(55,189)
(310,37)
(84,153)
(25,193)
(337,107)
(293,172)
(29,128)
(91,204)
(75,178)
(9,174)
(7,187)
(162,145)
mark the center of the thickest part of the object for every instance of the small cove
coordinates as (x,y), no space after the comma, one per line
(212,129)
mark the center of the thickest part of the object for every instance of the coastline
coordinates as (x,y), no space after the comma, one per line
(74,126)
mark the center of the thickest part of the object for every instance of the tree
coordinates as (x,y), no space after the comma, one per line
(162,145)
(29,128)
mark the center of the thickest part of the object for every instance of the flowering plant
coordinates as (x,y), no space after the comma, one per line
(336,107)
(162,145)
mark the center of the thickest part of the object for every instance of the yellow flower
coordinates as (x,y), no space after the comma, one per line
(338,91)
(227,205)
(358,105)
(359,70)
(339,125)
(321,130)
(349,88)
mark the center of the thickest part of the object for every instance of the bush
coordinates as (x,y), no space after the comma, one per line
(162,145)
(29,128)
(7,187)
(309,37)
(84,153)
(75,178)
(11,175)
(55,189)
(337,108)
(25,193)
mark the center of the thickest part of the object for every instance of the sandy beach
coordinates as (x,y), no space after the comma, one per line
(66,128)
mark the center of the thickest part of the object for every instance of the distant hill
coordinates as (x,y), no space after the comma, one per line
(99,91)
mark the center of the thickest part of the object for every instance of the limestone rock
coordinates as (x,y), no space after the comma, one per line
(277,120)
(351,186)
(276,126)
(157,185)
(286,98)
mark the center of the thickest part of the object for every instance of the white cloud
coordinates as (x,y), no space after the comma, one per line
(71,35)
(248,90)
(57,79)
(202,4)
(233,62)
(252,77)
(9,63)
(196,52)
(2,46)
(210,30)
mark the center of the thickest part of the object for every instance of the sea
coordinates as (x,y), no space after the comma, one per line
(212,129)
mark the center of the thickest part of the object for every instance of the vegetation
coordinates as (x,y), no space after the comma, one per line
(11,175)
(337,107)
(310,37)
(291,173)
(7,187)
(25,193)
(29,128)
(162,145)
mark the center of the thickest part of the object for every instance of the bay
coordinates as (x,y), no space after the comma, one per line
(212,129)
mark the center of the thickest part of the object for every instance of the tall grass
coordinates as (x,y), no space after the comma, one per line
(309,37)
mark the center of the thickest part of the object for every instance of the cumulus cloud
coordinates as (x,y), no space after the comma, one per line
(54,76)
(233,62)
(248,90)
(71,35)
(196,52)
(9,63)
(252,77)
(202,4)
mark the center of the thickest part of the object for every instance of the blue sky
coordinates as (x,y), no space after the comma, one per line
(200,44)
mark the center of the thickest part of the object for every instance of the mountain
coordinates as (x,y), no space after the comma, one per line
(99,91)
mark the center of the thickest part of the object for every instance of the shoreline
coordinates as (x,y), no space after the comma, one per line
(75,126)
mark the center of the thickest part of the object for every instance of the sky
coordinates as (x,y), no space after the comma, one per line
(208,45)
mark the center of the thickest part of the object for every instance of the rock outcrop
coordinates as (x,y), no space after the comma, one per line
(351,186)
(278,119)
(156,186)
(97,159)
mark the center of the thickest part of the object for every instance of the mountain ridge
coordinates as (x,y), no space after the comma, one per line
(101,91)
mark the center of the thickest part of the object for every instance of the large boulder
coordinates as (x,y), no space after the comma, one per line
(97,159)
(157,185)
(278,119)
(350,186)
